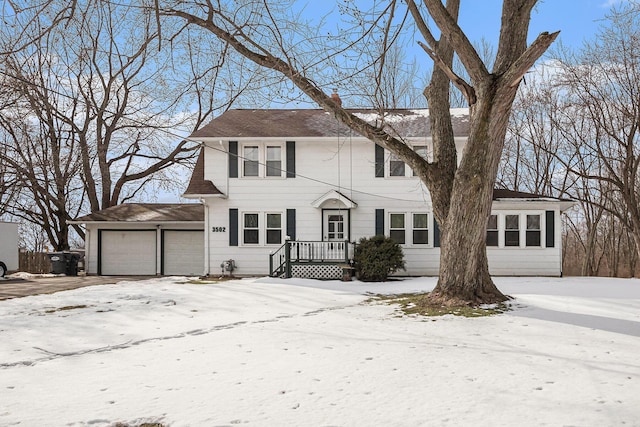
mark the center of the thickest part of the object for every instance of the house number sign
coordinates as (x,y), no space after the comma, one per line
(219,229)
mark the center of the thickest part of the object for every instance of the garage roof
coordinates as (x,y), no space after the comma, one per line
(147,212)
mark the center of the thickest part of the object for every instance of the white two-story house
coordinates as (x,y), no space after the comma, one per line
(287,192)
(266,177)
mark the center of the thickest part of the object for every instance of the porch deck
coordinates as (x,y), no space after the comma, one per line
(311,260)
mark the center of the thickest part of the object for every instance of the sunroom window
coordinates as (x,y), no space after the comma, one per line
(533,230)
(492,230)
(512,230)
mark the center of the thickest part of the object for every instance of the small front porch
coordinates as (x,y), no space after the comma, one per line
(312,260)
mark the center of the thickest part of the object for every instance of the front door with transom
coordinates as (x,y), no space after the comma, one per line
(335,225)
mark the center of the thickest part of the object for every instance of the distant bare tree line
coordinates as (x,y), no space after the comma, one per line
(575,133)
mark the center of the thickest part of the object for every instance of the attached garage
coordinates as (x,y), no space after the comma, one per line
(145,239)
(182,252)
(127,252)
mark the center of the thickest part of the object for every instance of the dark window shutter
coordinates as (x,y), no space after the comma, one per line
(291,223)
(233,159)
(550,233)
(379,161)
(436,233)
(291,159)
(233,227)
(379,222)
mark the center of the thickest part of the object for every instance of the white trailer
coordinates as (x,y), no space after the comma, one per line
(8,247)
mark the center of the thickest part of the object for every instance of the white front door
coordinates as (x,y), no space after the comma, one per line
(335,226)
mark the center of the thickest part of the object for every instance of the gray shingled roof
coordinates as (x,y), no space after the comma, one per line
(147,212)
(406,123)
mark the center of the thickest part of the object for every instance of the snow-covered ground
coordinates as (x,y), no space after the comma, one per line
(266,352)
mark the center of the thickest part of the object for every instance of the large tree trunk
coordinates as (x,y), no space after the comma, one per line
(464,270)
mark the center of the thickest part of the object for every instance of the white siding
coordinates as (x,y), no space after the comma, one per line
(346,165)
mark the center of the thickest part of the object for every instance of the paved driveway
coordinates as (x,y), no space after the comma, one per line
(17,288)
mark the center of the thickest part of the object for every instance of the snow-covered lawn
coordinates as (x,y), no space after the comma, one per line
(268,352)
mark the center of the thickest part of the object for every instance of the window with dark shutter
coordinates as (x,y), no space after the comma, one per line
(233,159)
(379,159)
(291,159)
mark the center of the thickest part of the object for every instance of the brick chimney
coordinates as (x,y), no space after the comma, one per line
(336,98)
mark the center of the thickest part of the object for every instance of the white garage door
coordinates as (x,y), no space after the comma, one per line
(131,252)
(183,252)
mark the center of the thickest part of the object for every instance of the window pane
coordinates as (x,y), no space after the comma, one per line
(420,237)
(273,221)
(274,153)
(251,220)
(397,220)
(274,161)
(274,237)
(251,157)
(397,235)
(420,221)
(492,224)
(533,238)
(492,238)
(396,168)
(511,222)
(274,168)
(251,236)
(512,238)
(421,150)
(533,222)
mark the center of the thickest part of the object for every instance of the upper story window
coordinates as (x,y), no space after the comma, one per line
(422,151)
(274,161)
(251,155)
(262,160)
(396,166)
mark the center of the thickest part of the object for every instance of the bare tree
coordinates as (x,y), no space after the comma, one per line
(461,196)
(92,106)
(601,87)
(273,37)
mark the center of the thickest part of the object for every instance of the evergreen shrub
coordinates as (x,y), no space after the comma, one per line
(377,257)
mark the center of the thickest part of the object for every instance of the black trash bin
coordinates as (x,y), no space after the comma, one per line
(72,260)
(58,262)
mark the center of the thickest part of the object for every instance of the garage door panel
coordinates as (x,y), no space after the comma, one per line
(128,252)
(183,252)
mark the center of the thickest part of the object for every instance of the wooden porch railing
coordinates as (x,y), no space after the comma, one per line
(299,252)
